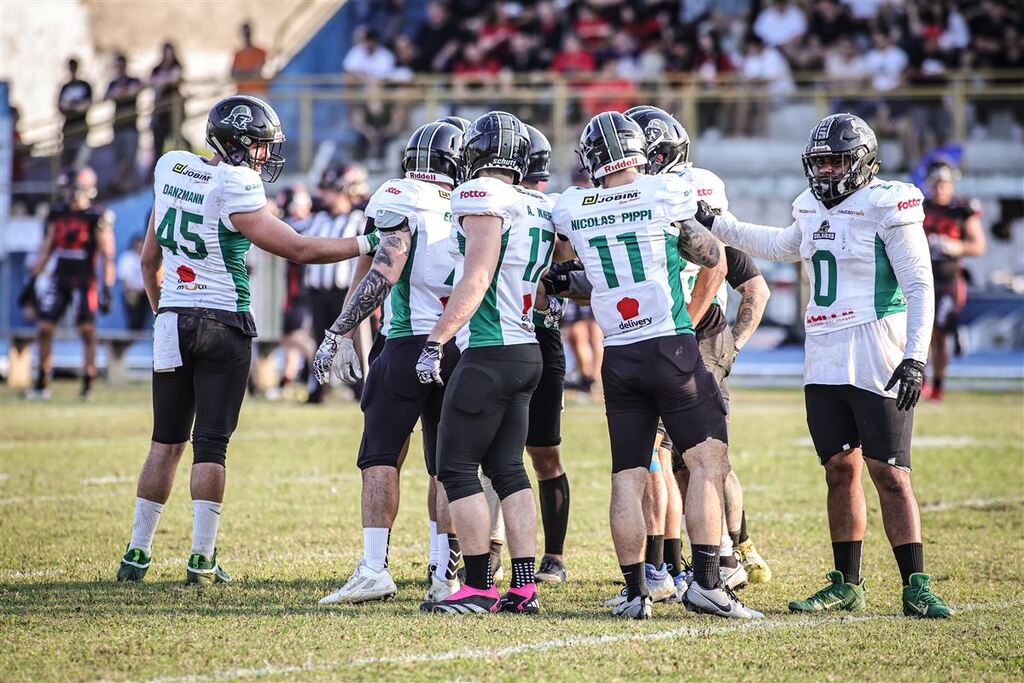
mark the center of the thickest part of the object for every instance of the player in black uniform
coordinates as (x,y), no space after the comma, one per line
(953,226)
(78,232)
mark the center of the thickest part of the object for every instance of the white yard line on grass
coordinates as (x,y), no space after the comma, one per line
(563,643)
(109,479)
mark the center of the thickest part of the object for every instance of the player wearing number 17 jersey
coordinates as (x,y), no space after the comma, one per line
(206,214)
(868,327)
(632,234)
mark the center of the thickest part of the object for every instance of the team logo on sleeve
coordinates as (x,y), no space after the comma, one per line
(629,309)
(824,232)
(240,117)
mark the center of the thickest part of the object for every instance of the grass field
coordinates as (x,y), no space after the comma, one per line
(291,534)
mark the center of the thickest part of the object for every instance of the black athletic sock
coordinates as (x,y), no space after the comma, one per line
(478,571)
(728,561)
(847,558)
(743,537)
(636,581)
(41,381)
(554,512)
(522,571)
(705,565)
(655,550)
(937,383)
(910,558)
(86,383)
(674,556)
(454,555)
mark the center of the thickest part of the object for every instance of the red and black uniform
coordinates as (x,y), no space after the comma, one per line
(947,220)
(75,237)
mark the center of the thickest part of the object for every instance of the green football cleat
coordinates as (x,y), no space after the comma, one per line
(919,601)
(838,595)
(134,565)
(203,572)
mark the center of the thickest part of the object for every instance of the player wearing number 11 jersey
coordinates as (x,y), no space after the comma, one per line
(869,323)
(206,214)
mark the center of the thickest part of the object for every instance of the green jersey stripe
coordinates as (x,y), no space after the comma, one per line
(485,325)
(680,316)
(233,247)
(889,297)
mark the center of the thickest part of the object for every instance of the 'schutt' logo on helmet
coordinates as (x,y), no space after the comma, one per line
(240,117)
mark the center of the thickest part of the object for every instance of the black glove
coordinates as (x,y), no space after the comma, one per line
(105,299)
(556,280)
(910,375)
(705,214)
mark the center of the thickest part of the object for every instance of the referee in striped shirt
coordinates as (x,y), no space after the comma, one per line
(343,192)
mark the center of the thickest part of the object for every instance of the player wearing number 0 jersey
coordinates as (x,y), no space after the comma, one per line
(868,326)
(503,240)
(631,233)
(411,275)
(206,214)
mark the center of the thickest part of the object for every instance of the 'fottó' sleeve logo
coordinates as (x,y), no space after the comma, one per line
(628,308)
(240,117)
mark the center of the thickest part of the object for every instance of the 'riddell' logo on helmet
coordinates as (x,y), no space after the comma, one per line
(909,204)
(240,117)
(420,175)
(471,194)
(619,165)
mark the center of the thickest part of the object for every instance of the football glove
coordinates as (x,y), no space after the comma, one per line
(556,280)
(338,353)
(705,214)
(27,295)
(105,299)
(428,367)
(910,375)
(553,316)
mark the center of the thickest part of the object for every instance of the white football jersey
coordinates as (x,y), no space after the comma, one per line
(505,316)
(856,319)
(203,253)
(629,247)
(418,298)
(711,189)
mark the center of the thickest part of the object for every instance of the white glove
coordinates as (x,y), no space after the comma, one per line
(337,352)
(553,316)
(428,367)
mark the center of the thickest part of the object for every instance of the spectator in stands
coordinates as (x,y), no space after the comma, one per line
(368,59)
(405,59)
(847,71)
(247,66)
(74,101)
(610,92)
(781,25)
(548,29)
(830,20)
(474,66)
(376,122)
(168,103)
(986,28)
(764,71)
(886,63)
(133,291)
(930,123)
(436,41)
(591,28)
(523,55)
(573,59)
(124,92)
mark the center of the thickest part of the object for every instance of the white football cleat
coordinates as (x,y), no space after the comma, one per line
(681,584)
(659,582)
(365,585)
(718,601)
(440,590)
(637,608)
(734,578)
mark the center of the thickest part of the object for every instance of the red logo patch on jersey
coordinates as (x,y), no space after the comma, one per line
(393,190)
(527,303)
(470,194)
(628,307)
(909,204)
(444,302)
(186,274)
(704,192)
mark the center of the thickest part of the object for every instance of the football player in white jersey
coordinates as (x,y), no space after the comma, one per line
(411,276)
(668,148)
(503,239)
(206,214)
(868,323)
(632,234)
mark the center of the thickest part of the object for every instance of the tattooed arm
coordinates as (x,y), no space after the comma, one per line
(754,293)
(697,244)
(392,254)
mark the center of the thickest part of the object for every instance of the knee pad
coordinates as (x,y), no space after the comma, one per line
(459,484)
(511,478)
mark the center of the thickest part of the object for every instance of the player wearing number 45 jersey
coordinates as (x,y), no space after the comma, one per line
(868,328)
(206,214)
(632,234)
(411,276)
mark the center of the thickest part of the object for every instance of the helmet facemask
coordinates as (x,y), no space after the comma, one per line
(857,167)
(262,156)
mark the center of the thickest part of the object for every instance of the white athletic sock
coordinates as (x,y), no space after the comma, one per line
(205,518)
(375,547)
(726,548)
(147,516)
(433,544)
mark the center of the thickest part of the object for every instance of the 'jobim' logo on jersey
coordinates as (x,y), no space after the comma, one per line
(621,198)
(471,194)
(823,232)
(188,172)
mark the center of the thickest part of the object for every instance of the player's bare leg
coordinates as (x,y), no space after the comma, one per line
(626,514)
(673,544)
(939,360)
(87,330)
(40,389)
(655,502)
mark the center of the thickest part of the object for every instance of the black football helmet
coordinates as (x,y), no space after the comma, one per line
(457,121)
(848,140)
(668,144)
(539,168)
(611,142)
(497,140)
(434,153)
(245,131)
